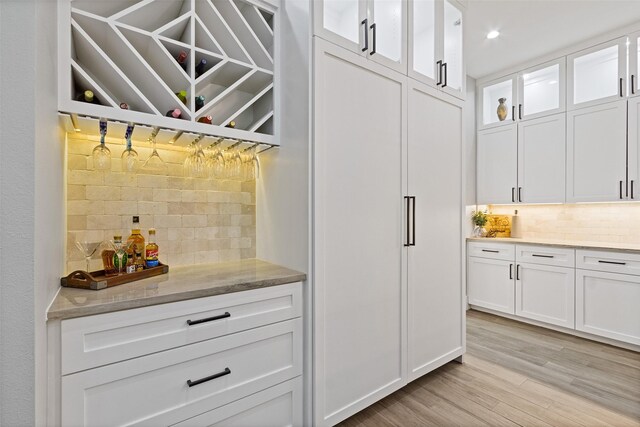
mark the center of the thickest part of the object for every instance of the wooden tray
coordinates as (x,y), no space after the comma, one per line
(96,280)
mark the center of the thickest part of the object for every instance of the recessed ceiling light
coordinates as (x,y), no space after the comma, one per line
(493,34)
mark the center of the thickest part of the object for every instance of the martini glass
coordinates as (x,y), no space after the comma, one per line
(154,163)
(101,154)
(87,247)
(129,156)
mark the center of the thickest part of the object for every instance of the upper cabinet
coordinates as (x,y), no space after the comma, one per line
(373,28)
(436,43)
(193,65)
(532,93)
(598,74)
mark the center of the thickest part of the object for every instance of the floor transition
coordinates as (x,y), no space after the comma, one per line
(518,374)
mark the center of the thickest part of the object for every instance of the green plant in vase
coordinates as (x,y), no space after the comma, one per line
(479,219)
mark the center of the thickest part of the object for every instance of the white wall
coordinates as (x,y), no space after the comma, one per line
(31,219)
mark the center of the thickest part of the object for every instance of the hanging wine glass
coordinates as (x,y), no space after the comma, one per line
(129,156)
(154,163)
(215,160)
(101,154)
(252,164)
(195,164)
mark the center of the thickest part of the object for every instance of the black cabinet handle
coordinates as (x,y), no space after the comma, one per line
(513,113)
(510,271)
(632,190)
(621,190)
(491,250)
(520,194)
(375,37)
(208,319)
(444,65)
(365,23)
(621,95)
(513,194)
(413,232)
(439,64)
(612,262)
(542,256)
(226,371)
(520,111)
(407,199)
(633,85)
(518,272)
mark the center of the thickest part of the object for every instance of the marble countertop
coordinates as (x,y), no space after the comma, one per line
(181,283)
(577,244)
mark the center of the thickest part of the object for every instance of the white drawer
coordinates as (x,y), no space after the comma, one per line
(545,255)
(280,405)
(154,390)
(92,341)
(613,262)
(504,251)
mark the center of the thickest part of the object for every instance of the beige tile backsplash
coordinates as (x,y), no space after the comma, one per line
(196,220)
(597,222)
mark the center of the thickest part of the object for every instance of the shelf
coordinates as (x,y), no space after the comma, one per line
(126,51)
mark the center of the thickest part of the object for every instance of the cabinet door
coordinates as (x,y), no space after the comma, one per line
(597,75)
(597,153)
(633,148)
(497,95)
(541,90)
(607,305)
(359,289)
(342,22)
(497,165)
(434,265)
(546,293)
(541,160)
(388,33)
(453,81)
(491,284)
(634,64)
(425,41)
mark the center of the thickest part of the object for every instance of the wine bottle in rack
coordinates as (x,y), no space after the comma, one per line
(175,113)
(182,96)
(124,106)
(200,67)
(206,119)
(182,60)
(199,102)
(231,124)
(87,96)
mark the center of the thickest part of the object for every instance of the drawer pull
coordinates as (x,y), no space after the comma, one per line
(612,262)
(542,256)
(226,371)
(491,250)
(209,319)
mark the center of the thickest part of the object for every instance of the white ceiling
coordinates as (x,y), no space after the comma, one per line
(532,28)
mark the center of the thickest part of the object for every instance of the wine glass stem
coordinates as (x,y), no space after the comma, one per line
(88,259)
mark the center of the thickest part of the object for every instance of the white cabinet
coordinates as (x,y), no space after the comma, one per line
(376,29)
(497,102)
(545,293)
(168,370)
(633,149)
(607,305)
(359,285)
(597,75)
(597,153)
(523,162)
(435,311)
(491,284)
(436,44)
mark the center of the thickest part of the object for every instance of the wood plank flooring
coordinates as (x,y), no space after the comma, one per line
(515,374)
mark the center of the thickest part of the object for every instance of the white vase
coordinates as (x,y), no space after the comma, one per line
(479,231)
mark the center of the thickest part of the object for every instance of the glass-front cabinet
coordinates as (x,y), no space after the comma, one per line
(435,44)
(375,29)
(497,102)
(598,74)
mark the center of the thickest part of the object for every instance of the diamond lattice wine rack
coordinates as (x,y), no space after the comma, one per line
(126,51)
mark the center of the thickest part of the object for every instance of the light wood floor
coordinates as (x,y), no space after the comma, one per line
(517,374)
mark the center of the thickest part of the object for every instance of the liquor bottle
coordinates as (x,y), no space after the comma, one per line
(124,106)
(182,96)
(199,102)
(231,124)
(135,242)
(88,96)
(139,262)
(206,119)
(200,67)
(151,251)
(175,113)
(182,60)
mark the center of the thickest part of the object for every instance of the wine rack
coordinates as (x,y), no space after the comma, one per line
(126,51)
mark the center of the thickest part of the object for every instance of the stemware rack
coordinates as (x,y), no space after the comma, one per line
(126,50)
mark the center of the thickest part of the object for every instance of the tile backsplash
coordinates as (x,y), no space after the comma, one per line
(197,220)
(597,222)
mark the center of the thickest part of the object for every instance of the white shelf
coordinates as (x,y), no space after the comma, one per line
(126,50)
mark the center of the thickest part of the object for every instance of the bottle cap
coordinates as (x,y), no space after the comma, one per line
(152,231)
(231,124)
(124,106)
(176,113)
(117,237)
(182,56)
(88,95)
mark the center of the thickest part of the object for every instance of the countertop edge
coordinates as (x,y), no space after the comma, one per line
(575,245)
(176,297)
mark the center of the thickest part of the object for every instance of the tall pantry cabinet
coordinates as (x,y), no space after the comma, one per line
(388,298)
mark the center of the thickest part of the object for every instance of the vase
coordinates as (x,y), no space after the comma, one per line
(502,109)
(479,231)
